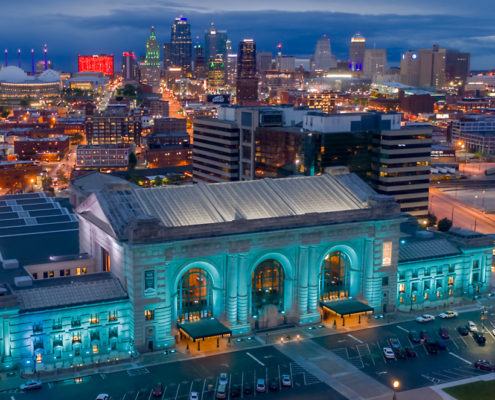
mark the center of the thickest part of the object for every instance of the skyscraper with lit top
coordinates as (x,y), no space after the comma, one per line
(150,67)
(356,52)
(247,82)
(181,44)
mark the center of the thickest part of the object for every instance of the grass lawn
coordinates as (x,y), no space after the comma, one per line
(480,390)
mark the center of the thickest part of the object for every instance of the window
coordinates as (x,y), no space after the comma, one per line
(387,254)
(426,296)
(414,287)
(62,272)
(451,280)
(38,358)
(426,286)
(402,288)
(149,315)
(35,275)
(45,274)
(38,327)
(67,272)
(78,271)
(451,269)
(414,298)
(476,264)
(95,349)
(94,319)
(402,276)
(76,322)
(51,274)
(439,294)
(112,316)
(476,277)
(385,281)
(402,300)
(105,257)
(57,324)
(427,272)
(415,274)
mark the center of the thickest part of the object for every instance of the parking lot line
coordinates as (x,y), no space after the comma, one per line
(137,395)
(242,385)
(177,392)
(460,358)
(455,344)
(355,338)
(279,378)
(255,359)
(401,328)
(164,391)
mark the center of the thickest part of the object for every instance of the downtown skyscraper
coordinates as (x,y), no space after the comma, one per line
(356,52)
(151,65)
(181,45)
(215,43)
(247,82)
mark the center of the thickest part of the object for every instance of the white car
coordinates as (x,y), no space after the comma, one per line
(260,385)
(193,396)
(388,353)
(472,326)
(286,381)
(425,318)
(448,314)
(224,379)
(32,385)
(103,396)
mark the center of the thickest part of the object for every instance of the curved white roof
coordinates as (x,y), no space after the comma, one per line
(49,76)
(13,74)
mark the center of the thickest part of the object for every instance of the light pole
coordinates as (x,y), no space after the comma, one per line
(396,386)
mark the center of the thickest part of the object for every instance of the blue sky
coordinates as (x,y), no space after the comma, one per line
(71,27)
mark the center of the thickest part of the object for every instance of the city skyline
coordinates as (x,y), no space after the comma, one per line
(101,28)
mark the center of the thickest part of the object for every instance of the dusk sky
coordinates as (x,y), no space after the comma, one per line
(103,26)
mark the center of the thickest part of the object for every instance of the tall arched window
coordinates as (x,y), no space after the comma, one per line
(335,276)
(268,285)
(194,295)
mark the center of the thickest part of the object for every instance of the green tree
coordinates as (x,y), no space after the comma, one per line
(77,137)
(132,161)
(158,181)
(26,101)
(431,220)
(46,182)
(62,178)
(135,179)
(444,225)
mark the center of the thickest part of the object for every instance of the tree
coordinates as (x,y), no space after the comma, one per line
(77,137)
(132,161)
(62,178)
(135,179)
(431,220)
(444,225)
(46,182)
(25,101)
(158,181)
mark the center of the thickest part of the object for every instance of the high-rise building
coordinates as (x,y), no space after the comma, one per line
(215,43)
(151,66)
(356,52)
(375,62)
(199,61)
(167,60)
(263,61)
(181,44)
(247,82)
(112,128)
(323,59)
(232,69)
(130,69)
(216,73)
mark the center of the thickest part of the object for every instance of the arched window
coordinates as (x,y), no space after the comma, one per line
(335,276)
(194,295)
(268,285)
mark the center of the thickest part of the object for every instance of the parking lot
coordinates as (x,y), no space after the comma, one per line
(364,349)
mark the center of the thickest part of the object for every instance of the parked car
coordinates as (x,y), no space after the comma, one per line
(248,388)
(479,338)
(221,392)
(273,385)
(394,343)
(286,381)
(400,354)
(260,385)
(448,314)
(444,333)
(223,379)
(31,385)
(463,331)
(158,390)
(410,352)
(388,353)
(103,396)
(414,337)
(193,396)
(425,318)
(471,326)
(484,365)
(441,345)
(235,390)
(431,347)
(425,336)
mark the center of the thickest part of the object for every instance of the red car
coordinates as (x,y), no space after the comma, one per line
(158,390)
(444,333)
(484,365)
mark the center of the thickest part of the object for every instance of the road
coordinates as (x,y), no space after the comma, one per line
(443,205)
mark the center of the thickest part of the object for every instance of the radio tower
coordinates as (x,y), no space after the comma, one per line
(45,51)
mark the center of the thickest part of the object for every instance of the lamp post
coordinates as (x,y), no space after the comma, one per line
(396,386)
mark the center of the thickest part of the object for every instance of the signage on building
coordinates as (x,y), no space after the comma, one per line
(218,98)
(149,282)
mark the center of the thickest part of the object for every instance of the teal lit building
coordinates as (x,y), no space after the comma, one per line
(162,263)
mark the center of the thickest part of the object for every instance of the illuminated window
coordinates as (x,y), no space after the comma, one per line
(95,349)
(439,294)
(112,316)
(387,254)
(78,271)
(84,270)
(414,298)
(267,285)
(451,292)
(38,358)
(402,300)
(94,319)
(149,315)
(51,274)
(402,287)
(106,259)
(195,295)
(426,296)
(335,276)
(451,280)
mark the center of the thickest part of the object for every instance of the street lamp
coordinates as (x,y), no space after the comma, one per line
(396,386)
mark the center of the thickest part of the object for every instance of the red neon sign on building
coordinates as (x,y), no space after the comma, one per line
(98,63)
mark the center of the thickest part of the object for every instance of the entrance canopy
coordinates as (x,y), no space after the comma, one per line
(346,307)
(204,328)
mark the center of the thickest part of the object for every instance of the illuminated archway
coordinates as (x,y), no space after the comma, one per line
(194,295)
(335,276)
(267,285)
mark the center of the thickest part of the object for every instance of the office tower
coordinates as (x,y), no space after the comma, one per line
(181,44)
(130,69)
(401,166)
(247,83)
(232,69)
(375,62)
(199,61)
(356,52)
(150,66)
(112,128)
(457,67)
(263,61)
(167,60)
(215,43)
(216,73)
(323,59)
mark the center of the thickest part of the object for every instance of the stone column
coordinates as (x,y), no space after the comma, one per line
(303,280)
(242,291)
(312,280)
(368,264)
(232,288)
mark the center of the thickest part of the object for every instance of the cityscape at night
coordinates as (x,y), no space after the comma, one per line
(218,200)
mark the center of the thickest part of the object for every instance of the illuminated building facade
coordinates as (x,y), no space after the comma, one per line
(130,68)
(181,45)
(247,82)
(216,73)
(151,66)
(44,149)
(97,63)
(15,85)
(357,51)
(215,43)
(325,101)
(104,156)
(112,129)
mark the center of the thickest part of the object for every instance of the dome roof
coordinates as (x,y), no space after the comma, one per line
(49,76)
(13,75)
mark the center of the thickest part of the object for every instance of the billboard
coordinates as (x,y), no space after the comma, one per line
(218,98)
(97,63)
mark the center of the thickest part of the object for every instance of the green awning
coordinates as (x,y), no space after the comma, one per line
(346,307)
(204,328)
